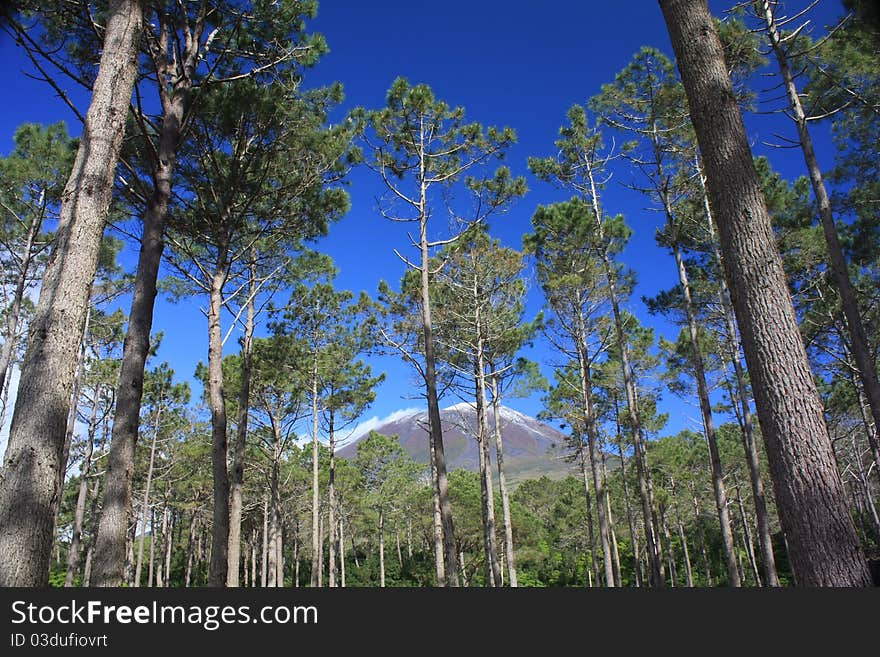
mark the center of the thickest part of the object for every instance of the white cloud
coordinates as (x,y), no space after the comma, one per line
(366,426)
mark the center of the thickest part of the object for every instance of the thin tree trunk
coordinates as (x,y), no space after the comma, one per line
(823,544)
(169,542)
(264,565)
(637,565)
(316,539)
(861,350)
(509,556)
(296,559)
(236,480)
(341,554)
(279,550)
(594,566)
(13,311)
(708,422)
(435,429)
(145,505)
(321,551)
(655,552)
(152,548)
(36,436)
(592,438)
(82,495)
(670,554)
(615,552)
(160,579)
(331,504)
(272,544)
(701,534)
(487,492)
(688,569)
(190,549)
(381,549)
(220,527)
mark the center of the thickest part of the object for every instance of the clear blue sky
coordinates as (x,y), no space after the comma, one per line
(514,63)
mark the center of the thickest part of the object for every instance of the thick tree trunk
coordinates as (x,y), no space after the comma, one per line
(509,555)
(439,558)
(748,435)
(36,436)
(220,528)
(823,544)
(236,479)
(708,423)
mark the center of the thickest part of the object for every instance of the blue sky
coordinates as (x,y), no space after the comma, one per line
(519,64)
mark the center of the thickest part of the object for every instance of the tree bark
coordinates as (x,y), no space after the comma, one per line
(823,544)
(637,563)
(264,557)
(655,551)
(592,438)
(594,566)
(487,492)
(509,556)
(708,423)
(748,435)
(341,554)
(109,553)
(220,528)
(79,513)
(331,504)
(316,501)
(36,437)
(145,505)
(861,350)
(381,548)
(236,480)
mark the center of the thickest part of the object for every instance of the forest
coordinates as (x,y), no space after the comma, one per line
(736,447)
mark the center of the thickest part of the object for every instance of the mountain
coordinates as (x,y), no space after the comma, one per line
(531,448)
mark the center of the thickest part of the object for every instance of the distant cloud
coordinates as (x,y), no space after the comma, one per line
(374,422)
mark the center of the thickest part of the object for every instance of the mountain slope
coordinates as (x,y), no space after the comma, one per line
(531,448)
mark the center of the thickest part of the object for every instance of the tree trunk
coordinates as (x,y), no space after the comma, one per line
(688,570)
(274,492)
(220,529)
(822,539)
(592,438)
(594,566)
(152,549)
(615,552)
(169,542)
(236,480)
(637,565)
(190,546)
(341,554)
(439,558)
(316,509)
(145,505)
(708,423)
(670,554)
(264,560)
(435,429)
(701,534)
(748,436)
(861,350)
(81,497)
(13,312)
(381,549)
(655,552)
(36,436)
(509,556)
(487,492)
(331,504)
